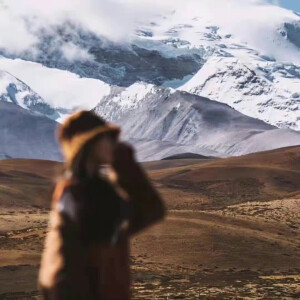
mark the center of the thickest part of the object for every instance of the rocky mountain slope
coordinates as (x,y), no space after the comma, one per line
(251,61)
(26,134)
(114,63)
(163,122)
(267,91)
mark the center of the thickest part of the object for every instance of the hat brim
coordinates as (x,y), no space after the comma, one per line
(73,147)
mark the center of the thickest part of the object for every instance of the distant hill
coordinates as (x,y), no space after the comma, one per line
(221,182)
(187,156)
(260,176)
(27,134)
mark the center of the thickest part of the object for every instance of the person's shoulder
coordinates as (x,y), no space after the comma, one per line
(74,195)
(61,186)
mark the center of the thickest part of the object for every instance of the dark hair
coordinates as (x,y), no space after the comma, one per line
(78,166)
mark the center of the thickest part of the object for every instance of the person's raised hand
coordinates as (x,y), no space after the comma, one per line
(123,157)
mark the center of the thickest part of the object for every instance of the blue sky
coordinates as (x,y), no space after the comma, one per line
(290,4)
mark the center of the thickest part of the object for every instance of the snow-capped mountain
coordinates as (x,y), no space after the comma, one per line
(26,126)
(15,91)
(26,134)
(244,54)
(263,90)
(252,64)
(161,122)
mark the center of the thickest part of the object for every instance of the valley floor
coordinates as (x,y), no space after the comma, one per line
(245,250)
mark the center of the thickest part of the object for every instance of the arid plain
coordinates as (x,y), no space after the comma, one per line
(232,230)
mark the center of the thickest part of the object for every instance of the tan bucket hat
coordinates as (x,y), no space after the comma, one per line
(79,129)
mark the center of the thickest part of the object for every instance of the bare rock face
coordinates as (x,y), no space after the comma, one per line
(113,63)
(27,134)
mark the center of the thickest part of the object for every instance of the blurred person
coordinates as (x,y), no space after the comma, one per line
(103,199)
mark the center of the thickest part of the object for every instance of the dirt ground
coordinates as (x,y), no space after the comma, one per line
(223,238)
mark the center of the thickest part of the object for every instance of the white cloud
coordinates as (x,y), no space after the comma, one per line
(256,23)
(252,21)
(115,19)
(58,88)
(73,53)
(13,32)
(21,20)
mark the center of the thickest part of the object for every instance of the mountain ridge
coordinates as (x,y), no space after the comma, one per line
(162,122)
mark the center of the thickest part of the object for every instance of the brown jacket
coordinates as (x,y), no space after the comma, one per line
(86,253)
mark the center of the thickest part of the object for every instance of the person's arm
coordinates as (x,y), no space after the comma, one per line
(147,205)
